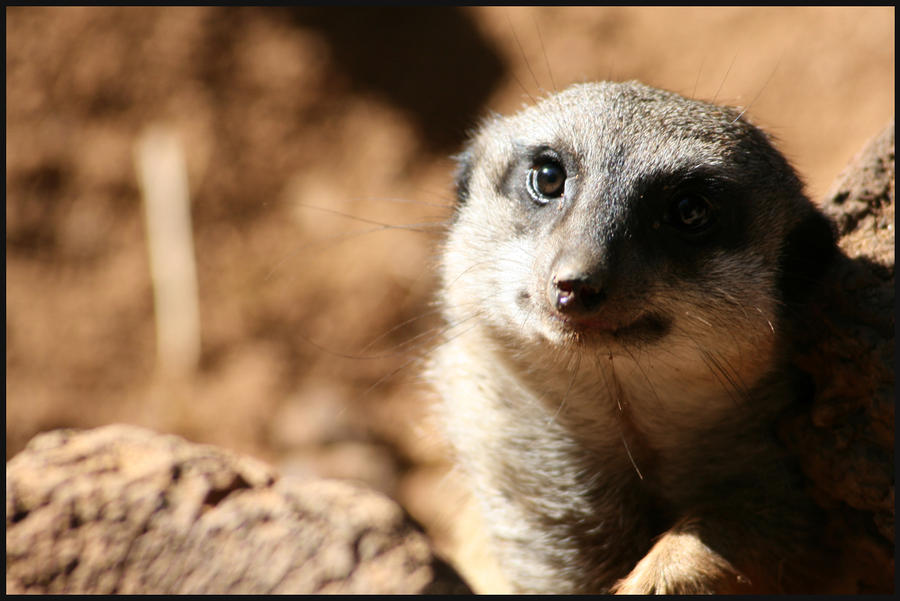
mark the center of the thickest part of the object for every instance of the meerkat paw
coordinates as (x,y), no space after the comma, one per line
(679,563)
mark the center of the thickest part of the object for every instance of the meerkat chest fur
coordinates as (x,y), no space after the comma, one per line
(614,286)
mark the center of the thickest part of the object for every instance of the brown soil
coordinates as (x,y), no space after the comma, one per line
(313,321)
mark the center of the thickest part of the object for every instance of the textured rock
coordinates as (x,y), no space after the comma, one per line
(845,437)
(121,509)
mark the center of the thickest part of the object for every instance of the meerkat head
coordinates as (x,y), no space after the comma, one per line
(620,217)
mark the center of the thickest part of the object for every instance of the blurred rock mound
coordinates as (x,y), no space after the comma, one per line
(122,510)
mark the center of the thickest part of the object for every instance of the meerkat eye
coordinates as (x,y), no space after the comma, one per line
(546,181)
(691,213)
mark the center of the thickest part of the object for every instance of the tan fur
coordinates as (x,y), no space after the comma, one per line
(681,564)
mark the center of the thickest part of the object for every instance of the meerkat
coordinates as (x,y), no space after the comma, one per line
(617,283)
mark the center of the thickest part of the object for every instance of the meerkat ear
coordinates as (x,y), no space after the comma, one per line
(464,166)
(808,251)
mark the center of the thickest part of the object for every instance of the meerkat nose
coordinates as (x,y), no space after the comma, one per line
(576,294)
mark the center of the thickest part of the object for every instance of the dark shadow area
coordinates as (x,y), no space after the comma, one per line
(433,63)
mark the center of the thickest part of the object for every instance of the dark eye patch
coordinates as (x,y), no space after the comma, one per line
(691,213)
(680,217)
(695,207)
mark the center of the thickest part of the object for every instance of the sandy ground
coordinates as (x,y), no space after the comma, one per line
(307,132)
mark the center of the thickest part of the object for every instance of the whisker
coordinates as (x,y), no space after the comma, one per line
(614,390)
(400,326)
(644,373)
(697,81)
(411,361)
(568,389)
(630,456)
(544,52)
(400,349)
(388,226)
(759,93)
(444,204)
(512,72)
(337,239)
(724,77)
(730,385)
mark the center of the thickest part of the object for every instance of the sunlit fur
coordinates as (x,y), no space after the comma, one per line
(583,446)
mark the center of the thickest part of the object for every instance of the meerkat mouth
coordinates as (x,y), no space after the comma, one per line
(647,327)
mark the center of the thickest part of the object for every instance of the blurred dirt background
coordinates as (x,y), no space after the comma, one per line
(306,131)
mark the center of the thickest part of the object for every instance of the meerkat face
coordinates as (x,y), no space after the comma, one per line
(621,218)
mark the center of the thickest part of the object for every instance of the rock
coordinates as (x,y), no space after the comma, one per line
(121,509)
(845,435)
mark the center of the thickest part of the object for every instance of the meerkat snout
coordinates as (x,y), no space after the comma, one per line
(576,290)
(576,295)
